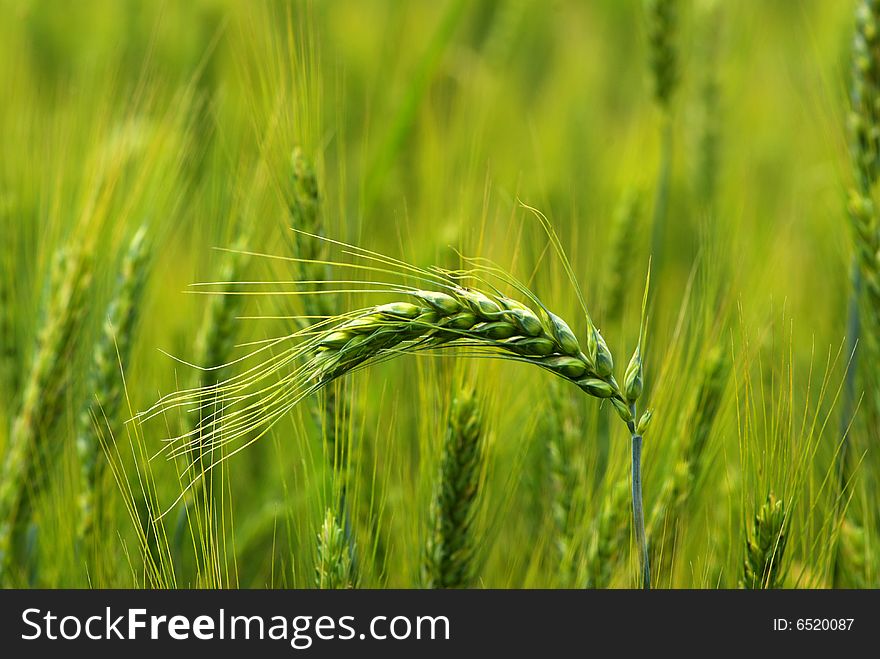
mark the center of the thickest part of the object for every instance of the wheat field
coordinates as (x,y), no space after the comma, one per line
(275,278)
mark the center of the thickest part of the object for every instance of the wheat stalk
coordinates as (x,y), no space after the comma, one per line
(69,282)
(305,214)
(329,410)
(864,128)
(863,315)
(105,388)
(451,543)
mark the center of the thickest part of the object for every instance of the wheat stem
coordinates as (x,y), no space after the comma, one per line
(638,510)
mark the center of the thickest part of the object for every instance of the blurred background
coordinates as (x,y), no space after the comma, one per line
(428,126)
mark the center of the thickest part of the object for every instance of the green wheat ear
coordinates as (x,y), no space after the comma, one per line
(446,316)
(330,409)
(663,51)
(216,341)
(41,399)
(451,544)
(863,324)
(304,207)
(622,250)
(765,546)
(105,385)
(609,533)
(563,442)
(333,570)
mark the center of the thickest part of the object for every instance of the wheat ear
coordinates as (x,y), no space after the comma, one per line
(451,543)
(863,314)
(765,546)
(105,386)
(663,59)
(47,378)
(333,570)
(472,321)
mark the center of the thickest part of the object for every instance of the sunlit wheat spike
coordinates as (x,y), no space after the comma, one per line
(451,543)
(105,394)
(764,567)
(46,380)
(333,570)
